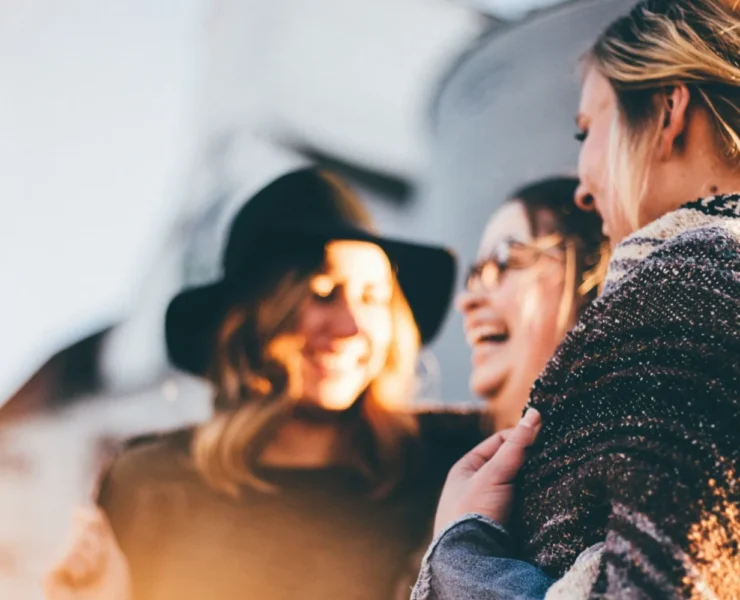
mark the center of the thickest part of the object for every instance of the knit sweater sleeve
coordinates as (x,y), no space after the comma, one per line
(644,431)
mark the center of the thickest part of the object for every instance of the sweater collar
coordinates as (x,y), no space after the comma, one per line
(722,210)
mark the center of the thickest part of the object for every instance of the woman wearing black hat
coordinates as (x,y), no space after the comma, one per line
(309,481)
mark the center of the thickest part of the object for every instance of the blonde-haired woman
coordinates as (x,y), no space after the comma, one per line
(310,481)
(631,488)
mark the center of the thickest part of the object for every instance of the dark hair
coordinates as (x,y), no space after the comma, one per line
(550,207)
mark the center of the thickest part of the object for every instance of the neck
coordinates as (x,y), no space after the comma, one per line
(720,183)
(507,405)
(701,175)
(692,189)
(702,169)
(307,443)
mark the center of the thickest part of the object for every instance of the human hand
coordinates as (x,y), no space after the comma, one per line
(93,567)
(482,481)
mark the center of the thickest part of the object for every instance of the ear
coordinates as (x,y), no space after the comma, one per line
(675,101)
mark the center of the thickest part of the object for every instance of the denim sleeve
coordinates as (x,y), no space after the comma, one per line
(470,560)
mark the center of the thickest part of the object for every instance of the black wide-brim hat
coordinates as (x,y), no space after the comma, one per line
(300,209)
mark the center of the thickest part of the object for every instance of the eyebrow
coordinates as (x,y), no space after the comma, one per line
(510,239)
(490,251)
(344,280)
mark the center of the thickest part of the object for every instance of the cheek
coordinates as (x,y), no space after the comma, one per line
(592,165)
(520,298)
(509,301)
(537,312)
(379,330)
(313,322)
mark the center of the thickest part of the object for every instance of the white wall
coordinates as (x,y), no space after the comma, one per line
(349,77)
(96,113)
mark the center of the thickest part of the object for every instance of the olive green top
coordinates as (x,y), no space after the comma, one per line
(321,537)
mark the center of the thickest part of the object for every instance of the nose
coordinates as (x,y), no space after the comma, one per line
(344,320)
(584,199)
(470,298)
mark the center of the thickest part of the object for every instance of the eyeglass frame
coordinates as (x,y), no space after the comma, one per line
(501,265)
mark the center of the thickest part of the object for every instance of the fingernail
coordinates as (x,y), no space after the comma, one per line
(530,418)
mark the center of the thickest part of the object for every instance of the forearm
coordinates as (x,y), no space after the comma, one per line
(472,559)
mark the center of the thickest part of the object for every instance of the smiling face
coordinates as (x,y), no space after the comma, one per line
(511,319)
(345,325)
(660,129)
(635,171)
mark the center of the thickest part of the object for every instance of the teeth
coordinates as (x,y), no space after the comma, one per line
(333,362)
(477,334)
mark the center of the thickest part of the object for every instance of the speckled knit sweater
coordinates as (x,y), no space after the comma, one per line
(641,411)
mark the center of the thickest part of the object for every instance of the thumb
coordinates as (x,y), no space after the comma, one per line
(509,458)
(471,462)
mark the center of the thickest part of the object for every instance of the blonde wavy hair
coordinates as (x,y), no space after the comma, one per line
(253,371)
(662,43)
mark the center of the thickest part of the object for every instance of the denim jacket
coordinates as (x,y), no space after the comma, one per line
(469,560)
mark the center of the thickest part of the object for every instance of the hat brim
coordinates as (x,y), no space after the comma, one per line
(426,275)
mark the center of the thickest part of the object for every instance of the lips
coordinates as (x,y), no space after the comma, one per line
(487,334)
(330,364)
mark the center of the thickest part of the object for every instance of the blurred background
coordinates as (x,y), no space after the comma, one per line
(132,131)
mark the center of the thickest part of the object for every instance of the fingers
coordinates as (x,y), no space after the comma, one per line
(56,588)
(96,519)
(482,453)
(85,559)
(508,459)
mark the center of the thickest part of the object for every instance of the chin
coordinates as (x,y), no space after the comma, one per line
(336,405)
(487,385)
(505,407)
(505,417)
(334,400)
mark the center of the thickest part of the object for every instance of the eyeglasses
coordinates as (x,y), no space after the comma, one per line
(512,255)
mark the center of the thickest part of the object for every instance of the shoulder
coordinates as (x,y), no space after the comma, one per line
(678,309)
(156,450)
(150,490)
(715,247)
(143,460)
(688,276)
(692,278)
(703,255)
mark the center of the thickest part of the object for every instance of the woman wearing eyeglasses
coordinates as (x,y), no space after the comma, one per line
(540,262)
